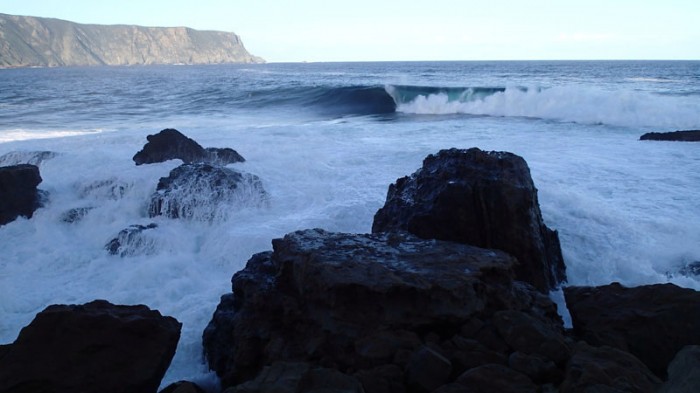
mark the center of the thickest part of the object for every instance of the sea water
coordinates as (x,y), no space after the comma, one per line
(327,139)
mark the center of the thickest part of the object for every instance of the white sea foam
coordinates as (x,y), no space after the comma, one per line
(26,134)
(578,104)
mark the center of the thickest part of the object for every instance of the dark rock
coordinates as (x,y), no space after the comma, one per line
(75,215)
(183,387)
(496,378)
(606,369)
(26,157)
(452,388)
(387,378)
(427,370)
(203,192)
(132,241)
(539,369)
(465,354)
(170,144)
(530,335)
(652,322)
(96,347)
(485,199)
(684,372)
(679,136)
(322,297)
(299,377)
(18,192)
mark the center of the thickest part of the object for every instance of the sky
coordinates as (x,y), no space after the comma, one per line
(407,30)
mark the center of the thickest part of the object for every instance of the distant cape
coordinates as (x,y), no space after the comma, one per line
(27,41)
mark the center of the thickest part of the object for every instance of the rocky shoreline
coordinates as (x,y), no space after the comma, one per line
(449,293)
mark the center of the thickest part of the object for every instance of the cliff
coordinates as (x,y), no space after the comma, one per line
(27,41)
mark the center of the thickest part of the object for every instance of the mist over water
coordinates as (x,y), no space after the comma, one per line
(326,140)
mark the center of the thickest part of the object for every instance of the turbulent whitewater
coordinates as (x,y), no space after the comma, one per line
(325,142)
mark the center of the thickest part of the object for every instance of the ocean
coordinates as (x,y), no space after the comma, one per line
(326,140)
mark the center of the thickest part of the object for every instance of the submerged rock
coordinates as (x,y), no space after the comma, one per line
(204,192)
(133,241)
(485,199)
(76,214)
(95,347)
(652,322)
(358,302)
(26,157)
(106,189)
(18,192)
(678,136)
(171,144)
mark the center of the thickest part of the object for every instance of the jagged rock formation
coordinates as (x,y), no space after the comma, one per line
(27,41)
(170,144)
(387,308)
(484,199)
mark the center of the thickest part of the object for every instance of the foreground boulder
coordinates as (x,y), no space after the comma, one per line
(485,199)
(652,322)
(18,193)
(386,308)
(203,192)
(170,144)
(95,347)
(678,136)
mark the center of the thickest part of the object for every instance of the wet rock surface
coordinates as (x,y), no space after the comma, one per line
(95,347)
(204,192)
(484,199)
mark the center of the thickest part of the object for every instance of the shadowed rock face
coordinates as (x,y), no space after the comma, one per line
(45,42)
(359,302)
(18,193)
(485,199)
(652,322)
(678,136)
(95,347)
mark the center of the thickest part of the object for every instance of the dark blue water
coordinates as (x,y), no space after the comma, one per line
(102,97)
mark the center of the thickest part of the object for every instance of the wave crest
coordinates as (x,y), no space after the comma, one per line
(566,103)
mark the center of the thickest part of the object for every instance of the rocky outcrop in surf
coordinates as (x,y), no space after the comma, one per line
(203,192)
(45,42)
(677,136)
(170,144)
(381,307)
(485,199)
(132,241)
(94,347)
(18,192)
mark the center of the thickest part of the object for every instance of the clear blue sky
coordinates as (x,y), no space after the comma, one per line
(369,30)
